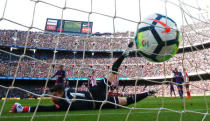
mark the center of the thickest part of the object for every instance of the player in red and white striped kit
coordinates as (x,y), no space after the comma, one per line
(186,79)
(92,80)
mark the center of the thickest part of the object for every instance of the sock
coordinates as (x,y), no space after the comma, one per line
(117,64)
(131,99)
(180,94)
(26,109)
(188,93)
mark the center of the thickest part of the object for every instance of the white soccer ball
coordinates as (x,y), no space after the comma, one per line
(157,38)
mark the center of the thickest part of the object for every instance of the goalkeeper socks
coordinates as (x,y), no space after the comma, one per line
(117,64)
(131,99)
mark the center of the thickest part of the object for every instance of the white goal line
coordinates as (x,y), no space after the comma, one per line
(92,114)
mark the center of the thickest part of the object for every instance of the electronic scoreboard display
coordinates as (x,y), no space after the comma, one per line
(68,26)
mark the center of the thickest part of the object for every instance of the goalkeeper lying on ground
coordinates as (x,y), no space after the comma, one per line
(84,100)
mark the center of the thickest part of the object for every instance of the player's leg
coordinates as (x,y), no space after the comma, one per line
(131,99)
(188,91)
(174,93)
(180,91)
(171,92)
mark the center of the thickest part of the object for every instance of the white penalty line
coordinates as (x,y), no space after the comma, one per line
(59,115)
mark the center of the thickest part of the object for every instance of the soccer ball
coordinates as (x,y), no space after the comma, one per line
(157,38)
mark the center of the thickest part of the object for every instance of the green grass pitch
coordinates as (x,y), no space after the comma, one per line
(195,104)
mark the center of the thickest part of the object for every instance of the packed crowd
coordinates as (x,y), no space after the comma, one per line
(191,36)
(16,93)
(76,66)
(52,40)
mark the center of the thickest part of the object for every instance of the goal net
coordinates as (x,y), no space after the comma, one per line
(29,53)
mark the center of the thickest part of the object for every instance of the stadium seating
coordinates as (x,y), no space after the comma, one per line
(131,67)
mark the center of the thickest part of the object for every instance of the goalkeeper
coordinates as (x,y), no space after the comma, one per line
(86,100)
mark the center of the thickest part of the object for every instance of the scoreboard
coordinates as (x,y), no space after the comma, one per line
(68,26)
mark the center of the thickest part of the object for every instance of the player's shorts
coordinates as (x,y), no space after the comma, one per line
(99,93)
(179,84)
(60,83)
(187,85)
(172,89)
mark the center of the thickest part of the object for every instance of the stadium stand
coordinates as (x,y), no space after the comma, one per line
(71,45)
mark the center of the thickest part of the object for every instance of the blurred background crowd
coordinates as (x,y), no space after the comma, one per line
(81,66)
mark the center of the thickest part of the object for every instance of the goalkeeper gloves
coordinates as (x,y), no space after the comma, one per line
(18,108)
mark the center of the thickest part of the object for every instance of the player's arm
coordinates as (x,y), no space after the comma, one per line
(54,75)
(18,108)
(59,104)
(115,67)
(89,82)
(134,98)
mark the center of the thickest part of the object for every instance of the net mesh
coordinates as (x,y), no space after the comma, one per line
(195,33)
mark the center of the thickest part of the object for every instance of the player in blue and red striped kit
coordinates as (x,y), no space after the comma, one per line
(178,78)
(61,74)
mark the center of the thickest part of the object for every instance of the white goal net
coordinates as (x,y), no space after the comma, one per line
(28,52)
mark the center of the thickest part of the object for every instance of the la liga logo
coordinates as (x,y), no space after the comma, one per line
(144,43)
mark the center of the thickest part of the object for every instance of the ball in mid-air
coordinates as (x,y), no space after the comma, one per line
(157,38)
